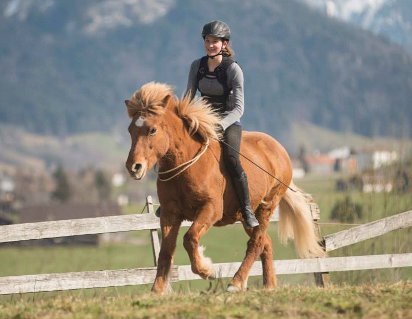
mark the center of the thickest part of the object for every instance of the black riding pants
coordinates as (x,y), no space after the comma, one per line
(232,136)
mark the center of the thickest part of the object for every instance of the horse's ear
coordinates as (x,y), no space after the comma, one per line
(129,108)
(168,102)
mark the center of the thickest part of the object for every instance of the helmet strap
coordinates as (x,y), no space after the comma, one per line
(214,56)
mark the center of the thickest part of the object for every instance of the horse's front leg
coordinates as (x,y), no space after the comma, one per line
(170,226)
(205,219)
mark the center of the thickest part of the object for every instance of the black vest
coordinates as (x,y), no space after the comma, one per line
(219,102)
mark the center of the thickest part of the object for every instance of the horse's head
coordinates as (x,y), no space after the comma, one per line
(157,118)
(148,130)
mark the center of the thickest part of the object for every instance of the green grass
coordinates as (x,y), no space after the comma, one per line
(366,301)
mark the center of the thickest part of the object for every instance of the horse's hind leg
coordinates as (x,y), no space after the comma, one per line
(269,275)
(268,271)
(255,247)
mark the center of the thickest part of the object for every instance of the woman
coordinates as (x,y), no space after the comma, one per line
(219,79)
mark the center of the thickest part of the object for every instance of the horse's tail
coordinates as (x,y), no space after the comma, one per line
(295,222)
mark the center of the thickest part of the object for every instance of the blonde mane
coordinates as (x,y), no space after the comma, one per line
(149,99)
(202,119)
(197,113)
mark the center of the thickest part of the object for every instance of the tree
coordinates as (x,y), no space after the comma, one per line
(302,158)
(346,211)
(62,191)
(102,185)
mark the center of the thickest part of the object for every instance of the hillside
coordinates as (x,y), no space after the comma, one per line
(37,152)
(108,150)
(316,138)
(66,67)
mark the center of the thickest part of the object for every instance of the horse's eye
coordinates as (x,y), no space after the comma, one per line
(152,131)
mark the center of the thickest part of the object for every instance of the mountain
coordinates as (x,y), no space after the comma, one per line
(67,66)
(388,18)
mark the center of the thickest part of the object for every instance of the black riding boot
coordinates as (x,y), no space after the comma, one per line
(242,191)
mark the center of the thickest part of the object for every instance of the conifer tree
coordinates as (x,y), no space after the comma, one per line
(62,191)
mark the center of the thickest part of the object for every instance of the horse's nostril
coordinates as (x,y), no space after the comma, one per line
(136,167)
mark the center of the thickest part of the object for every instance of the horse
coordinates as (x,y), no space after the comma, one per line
(182,137)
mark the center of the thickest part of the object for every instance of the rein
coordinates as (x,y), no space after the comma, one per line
(185,165)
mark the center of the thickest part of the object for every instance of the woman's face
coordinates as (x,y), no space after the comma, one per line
(214,45)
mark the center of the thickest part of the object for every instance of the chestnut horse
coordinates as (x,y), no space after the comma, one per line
(180,135)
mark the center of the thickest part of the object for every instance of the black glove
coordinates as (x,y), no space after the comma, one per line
(220,131)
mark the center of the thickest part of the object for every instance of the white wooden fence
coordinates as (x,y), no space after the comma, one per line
(138,276)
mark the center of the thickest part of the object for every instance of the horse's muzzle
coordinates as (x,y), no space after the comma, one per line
(138,170)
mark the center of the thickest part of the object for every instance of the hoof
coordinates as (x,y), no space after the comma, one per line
(169,288)
(232,288)
(207,276)
(212,276)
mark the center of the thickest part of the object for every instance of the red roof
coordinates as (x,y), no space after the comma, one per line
(320,159)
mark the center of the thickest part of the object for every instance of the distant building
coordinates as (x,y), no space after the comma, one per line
(373,159)
(7,199)
(297,169)
(118,180)
(322,164)
(6,184)
(298,172)
(345,160)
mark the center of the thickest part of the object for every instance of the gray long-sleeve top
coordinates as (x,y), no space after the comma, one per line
(211,86)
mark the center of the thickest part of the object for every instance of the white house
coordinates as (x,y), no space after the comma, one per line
(373,159)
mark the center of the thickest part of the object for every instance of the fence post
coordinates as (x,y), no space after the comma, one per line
(321,278)
(154,235)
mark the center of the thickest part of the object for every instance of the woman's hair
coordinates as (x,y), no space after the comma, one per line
(228,51)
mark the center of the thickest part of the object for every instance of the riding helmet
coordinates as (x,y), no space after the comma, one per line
(216,28)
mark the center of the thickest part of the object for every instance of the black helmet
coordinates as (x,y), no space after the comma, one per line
(216,28)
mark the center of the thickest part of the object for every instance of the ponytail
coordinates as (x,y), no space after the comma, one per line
(228,51)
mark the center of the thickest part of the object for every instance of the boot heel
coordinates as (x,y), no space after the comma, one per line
(250,220)
(242,191)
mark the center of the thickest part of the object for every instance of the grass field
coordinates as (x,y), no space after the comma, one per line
(360,294)
(367,301)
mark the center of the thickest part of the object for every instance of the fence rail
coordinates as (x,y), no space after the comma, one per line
(138,276)
(368,231)
(84,226)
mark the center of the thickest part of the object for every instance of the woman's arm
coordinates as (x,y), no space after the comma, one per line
(236,98)
(191,80)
